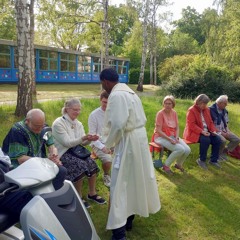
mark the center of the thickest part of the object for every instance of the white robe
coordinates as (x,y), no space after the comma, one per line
(133,188)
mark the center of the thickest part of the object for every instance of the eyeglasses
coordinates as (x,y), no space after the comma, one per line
(75,109)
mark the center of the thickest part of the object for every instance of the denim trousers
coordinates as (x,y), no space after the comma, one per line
(205,142)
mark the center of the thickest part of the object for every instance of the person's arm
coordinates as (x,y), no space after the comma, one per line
(193,123)
(177,127)
(23,159)
(93,124)
(53,155)
(60,133)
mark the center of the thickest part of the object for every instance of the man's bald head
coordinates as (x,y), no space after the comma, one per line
(35,120)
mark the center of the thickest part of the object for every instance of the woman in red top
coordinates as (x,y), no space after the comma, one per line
(200,129)
(166,133)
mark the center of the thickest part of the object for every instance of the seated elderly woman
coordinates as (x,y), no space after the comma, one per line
(166,133)
(200,129)
(68,133)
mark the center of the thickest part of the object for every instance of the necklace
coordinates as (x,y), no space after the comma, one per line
(72,123)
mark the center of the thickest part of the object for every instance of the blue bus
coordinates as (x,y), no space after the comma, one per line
(54,65)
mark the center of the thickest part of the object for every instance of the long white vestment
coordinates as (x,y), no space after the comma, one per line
(133,185)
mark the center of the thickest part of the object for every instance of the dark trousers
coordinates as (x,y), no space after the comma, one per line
(60,177)
(120,233)
(205,141)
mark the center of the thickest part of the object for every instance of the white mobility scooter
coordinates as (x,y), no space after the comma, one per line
(50,214)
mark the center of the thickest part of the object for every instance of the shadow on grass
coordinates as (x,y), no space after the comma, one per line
(208,200)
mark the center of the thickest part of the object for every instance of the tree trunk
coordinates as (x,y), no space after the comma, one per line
(106,38)
(151,67)
(32,24)
(155,68)
(24,98)
(144,48)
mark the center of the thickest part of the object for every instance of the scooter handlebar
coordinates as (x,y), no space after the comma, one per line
(6,187)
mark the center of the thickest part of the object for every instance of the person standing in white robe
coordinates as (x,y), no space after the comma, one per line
(133,188)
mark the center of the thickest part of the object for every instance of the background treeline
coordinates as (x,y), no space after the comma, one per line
(199,54)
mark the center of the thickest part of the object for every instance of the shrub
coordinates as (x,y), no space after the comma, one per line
(134,74)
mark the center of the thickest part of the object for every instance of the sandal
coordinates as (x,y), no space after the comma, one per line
(179,167)
(97,199)
(167,170)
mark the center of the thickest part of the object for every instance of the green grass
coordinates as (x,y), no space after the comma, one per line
(197,205)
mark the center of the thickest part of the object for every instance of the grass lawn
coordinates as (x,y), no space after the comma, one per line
(196,205)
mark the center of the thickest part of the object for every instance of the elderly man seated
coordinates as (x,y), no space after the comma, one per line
(24,141)
(219,116)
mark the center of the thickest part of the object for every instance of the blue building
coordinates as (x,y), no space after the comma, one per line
(54,65)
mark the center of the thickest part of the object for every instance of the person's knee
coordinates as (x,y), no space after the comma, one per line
(180,150)
(62,171)
(218,140)
(60,177)
(204,140)
(187,150)
(223,141)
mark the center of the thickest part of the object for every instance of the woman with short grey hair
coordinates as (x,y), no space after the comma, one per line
(200,129)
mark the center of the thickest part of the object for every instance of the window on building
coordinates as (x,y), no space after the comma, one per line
(84,64)
(68,62)
(48,60)
(112,63)
(122,67)
(5,57)
(96,64)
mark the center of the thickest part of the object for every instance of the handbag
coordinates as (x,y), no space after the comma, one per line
(80,152)
(235,153)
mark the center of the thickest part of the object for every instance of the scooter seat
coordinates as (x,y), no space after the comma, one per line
(6,221)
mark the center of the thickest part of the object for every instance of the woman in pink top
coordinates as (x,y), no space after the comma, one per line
(166,133)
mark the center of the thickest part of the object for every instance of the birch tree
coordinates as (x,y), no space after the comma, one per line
(24,98)
(144,45)
(105,35)
(32,24)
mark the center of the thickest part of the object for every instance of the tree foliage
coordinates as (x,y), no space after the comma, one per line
(7,20)
(191,23)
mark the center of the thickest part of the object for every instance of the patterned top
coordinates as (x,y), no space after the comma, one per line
(21,141)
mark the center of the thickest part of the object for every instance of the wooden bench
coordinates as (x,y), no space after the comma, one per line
(157,148)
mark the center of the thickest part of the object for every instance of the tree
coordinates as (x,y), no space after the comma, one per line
(133,45)
(191,23)
(32,23)
(24,98)
(144,45)
(7,20)
(182,43)
(64,22)
(229,34)
(105,35)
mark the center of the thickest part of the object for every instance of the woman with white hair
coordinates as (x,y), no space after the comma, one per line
(69,133)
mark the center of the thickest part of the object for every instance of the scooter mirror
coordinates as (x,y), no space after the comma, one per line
(46,133)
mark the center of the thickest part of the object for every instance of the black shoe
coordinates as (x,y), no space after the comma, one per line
(129,226)
(129,223)
(86,204)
